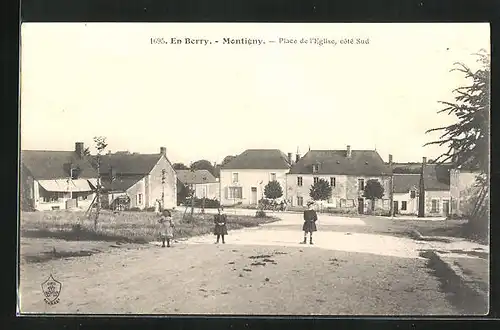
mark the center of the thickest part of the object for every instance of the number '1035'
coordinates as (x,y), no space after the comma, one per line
(156,41)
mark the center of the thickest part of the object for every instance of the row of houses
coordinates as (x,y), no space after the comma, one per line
(442,187)
(66,179)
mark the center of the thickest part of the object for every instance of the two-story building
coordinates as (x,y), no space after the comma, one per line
(56,180)
(143,178)
(347,172)
(243,179)
(204,184)
(462,189)
(413,180)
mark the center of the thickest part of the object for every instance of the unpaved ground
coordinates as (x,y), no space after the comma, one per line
(221,279)
(260,271)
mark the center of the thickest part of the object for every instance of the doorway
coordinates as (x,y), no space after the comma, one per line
(253,196)
(361,205)
(396,207)
(446,207)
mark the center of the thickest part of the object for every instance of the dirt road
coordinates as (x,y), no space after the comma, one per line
(258,271)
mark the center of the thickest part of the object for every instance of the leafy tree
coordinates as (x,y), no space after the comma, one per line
(468,138)
(182,192)
(321,190)
(273,190)
(227,159)
(203,164)
(373,191)
(180,166)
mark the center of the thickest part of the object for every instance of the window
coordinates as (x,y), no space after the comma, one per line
(273,176)
(361,184)
(435,206)
(235,192)
(299,181)
(235,177)
(51,198)
(332,182)
(316,179)
(385,203)
(300,201)
(342,202)
(139,199)
(315,168)
(403,206)
(413,194)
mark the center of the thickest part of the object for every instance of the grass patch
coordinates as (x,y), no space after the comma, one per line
(129,227)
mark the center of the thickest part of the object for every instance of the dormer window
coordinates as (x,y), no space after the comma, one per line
(315,168)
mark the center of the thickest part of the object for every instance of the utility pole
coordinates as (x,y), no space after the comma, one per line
(421,193)
(204,196)
(391,186)
(193,190)
(162,189)
(112,178)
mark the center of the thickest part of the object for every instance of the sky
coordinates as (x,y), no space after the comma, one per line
(208,101)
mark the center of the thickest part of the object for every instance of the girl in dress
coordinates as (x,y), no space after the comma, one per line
(310,218)
(166,227)
(220,228)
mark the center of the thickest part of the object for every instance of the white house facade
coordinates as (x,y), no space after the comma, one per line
(243,179)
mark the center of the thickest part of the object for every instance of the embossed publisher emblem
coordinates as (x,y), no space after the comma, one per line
(51,289)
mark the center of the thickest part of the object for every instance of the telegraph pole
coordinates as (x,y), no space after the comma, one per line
(162,189)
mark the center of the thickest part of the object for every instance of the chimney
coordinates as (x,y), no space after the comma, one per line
(163,151)
(297,158)
(290,158)
(390,159)
(424,160)
(348,151)
(79,149)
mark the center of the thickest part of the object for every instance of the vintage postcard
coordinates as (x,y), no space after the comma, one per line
(254,169)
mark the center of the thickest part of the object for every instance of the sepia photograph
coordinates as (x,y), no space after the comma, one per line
(298,169)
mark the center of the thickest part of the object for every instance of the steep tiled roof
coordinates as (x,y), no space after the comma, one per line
(129,163)
(265,159)
(404,182)
(120,183)
(437,177)
(361,162)
(406,168)
(196,177)
(46,164)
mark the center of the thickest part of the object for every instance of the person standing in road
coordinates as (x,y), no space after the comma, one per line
(310,218)
(166,227)
(220,229)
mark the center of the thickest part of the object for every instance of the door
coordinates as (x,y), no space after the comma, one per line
(253,196)
(361,206)
(396,207)
(446,207)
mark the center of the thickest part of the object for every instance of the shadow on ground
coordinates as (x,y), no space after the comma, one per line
(457,292)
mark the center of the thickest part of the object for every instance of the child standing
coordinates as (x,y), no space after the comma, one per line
(166,227)
(220,228)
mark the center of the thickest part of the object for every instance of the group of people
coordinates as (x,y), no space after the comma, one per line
(167,225)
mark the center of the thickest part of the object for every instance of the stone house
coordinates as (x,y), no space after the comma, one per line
(143,178)
(405,195)
(412,180)
(243,179)
(462,189)
(347,172)
(56,180)
(203,182)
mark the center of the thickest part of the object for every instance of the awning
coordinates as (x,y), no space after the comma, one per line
(65,185)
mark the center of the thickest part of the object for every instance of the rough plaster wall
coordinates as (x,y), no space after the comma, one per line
(155,185)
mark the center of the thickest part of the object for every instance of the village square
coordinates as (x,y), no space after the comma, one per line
(290,185)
